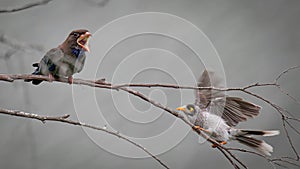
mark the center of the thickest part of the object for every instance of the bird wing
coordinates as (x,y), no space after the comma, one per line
(51,60)
(204,97)
(232,109)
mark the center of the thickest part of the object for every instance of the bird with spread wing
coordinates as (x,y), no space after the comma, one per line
(217,115)
(66,59)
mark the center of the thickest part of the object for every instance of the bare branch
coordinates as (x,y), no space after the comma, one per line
(284,72)
(270,160)
(235,162)
(26,6)
(287,94)
(99,3)
(290,141)
(229,159)
(64,119)
(17,45)
(102,84)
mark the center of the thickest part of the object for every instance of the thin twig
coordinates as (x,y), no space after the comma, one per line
(26,6)
(270,160)
(64,119)
(229,158)
(284,72)
(16,45)
(290,141)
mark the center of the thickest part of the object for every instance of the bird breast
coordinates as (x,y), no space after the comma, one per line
(215,125)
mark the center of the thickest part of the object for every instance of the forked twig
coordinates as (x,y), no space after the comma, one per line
(64,119)
(26,6)
(235,162)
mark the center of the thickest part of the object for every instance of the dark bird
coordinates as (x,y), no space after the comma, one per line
(217,115)
(66,59)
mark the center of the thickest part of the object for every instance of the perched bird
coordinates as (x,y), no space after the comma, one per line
(217,115)
(66,59)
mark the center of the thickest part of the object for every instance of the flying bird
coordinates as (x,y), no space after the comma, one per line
(217,115)
(66,59)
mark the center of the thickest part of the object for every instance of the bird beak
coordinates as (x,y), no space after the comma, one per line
(181,109)
(82,41)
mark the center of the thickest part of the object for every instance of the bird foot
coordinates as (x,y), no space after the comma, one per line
(70,80)
(199,128)
(51,77)
(216,145)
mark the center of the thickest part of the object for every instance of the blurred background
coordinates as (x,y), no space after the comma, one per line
(255,41)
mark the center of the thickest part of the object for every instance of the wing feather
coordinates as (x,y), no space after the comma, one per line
(232,109)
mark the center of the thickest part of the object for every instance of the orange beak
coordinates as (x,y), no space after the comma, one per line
(181,109)
(83,41)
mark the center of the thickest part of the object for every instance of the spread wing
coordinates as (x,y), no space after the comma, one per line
(204,97)
(232,109)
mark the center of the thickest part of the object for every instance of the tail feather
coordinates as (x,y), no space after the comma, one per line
(35,65)
(36,72)
(258,132)
(256,144)
(36,82)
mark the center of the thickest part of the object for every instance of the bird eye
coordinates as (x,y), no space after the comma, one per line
(191,109)
(75,34)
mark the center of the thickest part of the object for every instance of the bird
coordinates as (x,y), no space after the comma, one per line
(64,60)
(217,114)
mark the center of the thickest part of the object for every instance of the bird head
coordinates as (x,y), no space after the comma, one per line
(189,109)
(77,38)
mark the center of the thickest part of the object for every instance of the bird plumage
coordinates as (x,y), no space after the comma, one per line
(218,114)
(66,59)
(232,109)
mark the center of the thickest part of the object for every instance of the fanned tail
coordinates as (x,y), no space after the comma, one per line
(256,144)
(244,137)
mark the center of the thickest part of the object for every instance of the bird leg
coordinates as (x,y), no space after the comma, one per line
(200,128)
(70,79)
(216,145)
(51,77)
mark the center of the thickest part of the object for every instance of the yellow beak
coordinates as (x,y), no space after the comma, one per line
(181,108)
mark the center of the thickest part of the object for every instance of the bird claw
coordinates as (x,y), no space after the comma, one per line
(216,145)
(223,143)
(51,77)
(199,128)
(70,80)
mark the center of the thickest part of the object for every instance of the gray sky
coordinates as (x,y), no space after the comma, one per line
(255,40)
